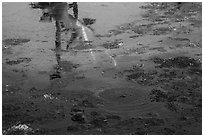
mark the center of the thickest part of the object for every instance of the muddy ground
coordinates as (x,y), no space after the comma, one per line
(144,75)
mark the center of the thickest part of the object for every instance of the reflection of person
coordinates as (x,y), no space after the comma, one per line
(74,5)
(59,12)
(47,6)
(65,21)
(57,73)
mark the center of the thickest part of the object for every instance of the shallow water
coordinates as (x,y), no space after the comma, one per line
(129,79)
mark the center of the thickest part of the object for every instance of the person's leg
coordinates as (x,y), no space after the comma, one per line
(74,36)
(75,9)
(74,5)
(58,35)
(58,57)
(57,72)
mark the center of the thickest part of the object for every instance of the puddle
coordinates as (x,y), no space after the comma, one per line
(14,42)
(110,77)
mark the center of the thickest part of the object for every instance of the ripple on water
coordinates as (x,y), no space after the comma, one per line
(126,99)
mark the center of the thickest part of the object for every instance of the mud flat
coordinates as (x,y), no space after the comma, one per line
(142,76)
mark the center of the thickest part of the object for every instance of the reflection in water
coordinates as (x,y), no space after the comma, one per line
(64,22)
(63,18)
(57,73)
(59,13)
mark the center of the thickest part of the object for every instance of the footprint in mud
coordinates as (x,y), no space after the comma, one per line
(179,39)
(15,41)
(18,61)
(161,49)
(142,29)
(135,36)
(161,31)
(117,43)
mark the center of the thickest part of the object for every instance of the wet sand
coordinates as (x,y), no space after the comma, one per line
(142,76)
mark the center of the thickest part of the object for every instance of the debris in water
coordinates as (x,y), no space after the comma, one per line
(21,129)
(48,96)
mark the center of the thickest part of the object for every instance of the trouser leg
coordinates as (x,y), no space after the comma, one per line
(74,36)
(75,9)
(58,35)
